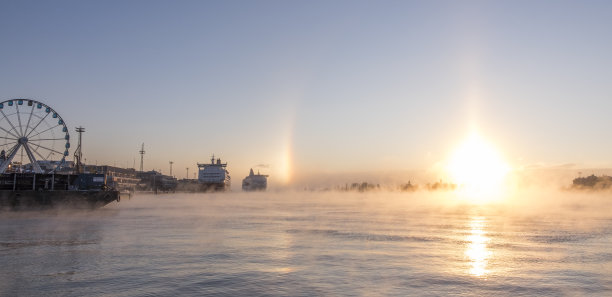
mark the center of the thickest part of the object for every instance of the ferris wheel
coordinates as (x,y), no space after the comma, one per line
(31,131)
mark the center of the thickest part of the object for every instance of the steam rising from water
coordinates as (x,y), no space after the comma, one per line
(539,242)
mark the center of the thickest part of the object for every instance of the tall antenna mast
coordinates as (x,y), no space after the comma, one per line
(78,155)
(142,152)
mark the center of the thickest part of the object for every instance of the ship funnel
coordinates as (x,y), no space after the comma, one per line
(251,173)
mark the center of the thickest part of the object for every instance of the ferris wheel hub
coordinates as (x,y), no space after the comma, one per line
(22,140)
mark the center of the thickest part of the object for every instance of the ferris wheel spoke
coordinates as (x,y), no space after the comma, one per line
(8,138)
(9,159)
(9,143)
(10,123)
(45,130)
(9,132)
(29,119)
(41,156)
(39,122)
(46,148)
(19,119)
(41,139)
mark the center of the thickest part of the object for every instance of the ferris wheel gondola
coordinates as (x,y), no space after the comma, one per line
(31,131)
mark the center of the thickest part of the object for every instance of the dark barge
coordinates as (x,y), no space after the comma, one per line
(26,191)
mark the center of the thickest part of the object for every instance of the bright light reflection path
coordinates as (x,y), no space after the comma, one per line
(477,250)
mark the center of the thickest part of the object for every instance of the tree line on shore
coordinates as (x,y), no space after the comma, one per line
(404,187)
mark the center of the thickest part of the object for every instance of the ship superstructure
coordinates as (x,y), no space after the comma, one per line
(255,182)
(214,176)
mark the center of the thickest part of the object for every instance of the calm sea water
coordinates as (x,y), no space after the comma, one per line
(311,244)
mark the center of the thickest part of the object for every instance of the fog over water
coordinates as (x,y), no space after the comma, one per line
(535,243)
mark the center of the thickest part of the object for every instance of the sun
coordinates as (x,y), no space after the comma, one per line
(478,169)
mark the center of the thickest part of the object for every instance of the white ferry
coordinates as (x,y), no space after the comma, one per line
(255,182)
(214,176)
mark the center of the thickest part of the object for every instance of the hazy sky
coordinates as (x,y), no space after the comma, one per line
(317,86)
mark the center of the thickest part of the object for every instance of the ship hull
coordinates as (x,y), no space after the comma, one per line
(33,200)
(254,183)
(254,188)
(213,187)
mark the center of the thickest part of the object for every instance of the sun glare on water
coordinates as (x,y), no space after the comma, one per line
(478,170)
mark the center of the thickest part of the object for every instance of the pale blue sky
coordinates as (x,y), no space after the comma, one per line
(343,85)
